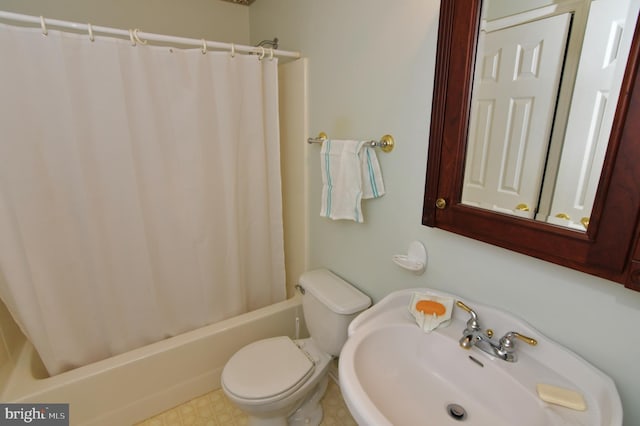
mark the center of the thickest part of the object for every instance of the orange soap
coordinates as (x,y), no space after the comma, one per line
(429,307)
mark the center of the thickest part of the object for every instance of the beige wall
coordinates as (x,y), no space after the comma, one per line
(371,70)
(210,19)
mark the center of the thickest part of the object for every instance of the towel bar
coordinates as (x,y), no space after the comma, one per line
(386,143)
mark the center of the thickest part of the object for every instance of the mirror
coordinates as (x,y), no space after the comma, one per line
(608,246)
(545,89)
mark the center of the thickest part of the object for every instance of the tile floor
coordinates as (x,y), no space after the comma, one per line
(213,409)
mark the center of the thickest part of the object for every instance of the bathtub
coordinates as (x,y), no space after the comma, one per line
(135,385)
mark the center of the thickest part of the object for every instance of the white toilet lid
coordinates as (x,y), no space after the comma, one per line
(266,368)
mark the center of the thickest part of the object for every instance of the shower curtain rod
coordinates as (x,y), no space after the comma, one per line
(138,36)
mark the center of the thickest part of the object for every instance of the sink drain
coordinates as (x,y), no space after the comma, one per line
(456,412)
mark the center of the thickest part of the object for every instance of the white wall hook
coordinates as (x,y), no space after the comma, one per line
(415,260)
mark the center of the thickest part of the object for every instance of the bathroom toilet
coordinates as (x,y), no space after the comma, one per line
(280,381)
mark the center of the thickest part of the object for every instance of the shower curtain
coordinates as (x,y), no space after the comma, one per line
(139,191)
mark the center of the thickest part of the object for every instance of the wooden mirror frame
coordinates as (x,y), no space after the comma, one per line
(606,249)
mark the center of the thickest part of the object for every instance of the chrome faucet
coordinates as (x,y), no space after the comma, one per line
(474,335)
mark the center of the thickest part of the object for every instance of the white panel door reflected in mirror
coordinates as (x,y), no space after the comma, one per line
(541,112)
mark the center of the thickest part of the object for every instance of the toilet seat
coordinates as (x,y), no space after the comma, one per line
(267,370)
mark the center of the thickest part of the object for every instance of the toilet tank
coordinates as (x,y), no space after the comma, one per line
(329,304)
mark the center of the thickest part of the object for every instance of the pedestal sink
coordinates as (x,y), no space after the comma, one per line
(393,373)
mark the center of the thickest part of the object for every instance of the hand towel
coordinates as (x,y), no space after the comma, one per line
(350,172)
(372,184)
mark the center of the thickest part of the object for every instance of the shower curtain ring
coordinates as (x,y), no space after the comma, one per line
(133,41)
(43,26)
(271,54)
(138,39)
(204,47)
(261,53)
(233,50)
(90,31)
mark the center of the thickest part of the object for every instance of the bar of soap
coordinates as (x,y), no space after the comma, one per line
(561,396)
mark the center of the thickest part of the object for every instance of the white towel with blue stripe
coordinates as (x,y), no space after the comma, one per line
(350,173)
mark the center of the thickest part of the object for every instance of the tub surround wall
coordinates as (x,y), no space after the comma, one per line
(11,342)
(371,70)
(292,85)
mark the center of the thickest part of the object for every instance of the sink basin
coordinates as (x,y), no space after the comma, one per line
(393,373)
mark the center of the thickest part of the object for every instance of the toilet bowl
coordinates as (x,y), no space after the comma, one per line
(280,381)
(270,379)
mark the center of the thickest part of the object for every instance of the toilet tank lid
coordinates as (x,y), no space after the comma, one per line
(339,296)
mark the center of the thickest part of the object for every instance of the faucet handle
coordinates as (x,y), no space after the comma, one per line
(506,348)
(472,324)
(507,343)
(467,309)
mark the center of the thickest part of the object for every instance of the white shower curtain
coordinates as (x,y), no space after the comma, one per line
(139,191)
